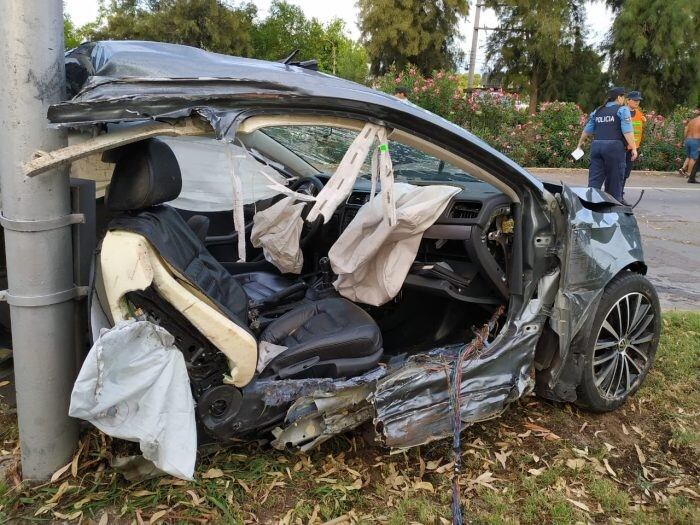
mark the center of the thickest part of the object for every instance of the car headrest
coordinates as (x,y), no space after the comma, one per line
(146,173)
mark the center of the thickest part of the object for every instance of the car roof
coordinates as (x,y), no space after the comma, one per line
(118,81)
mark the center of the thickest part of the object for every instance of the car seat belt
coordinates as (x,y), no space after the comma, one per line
(238,217)
(383,169)
(339,186)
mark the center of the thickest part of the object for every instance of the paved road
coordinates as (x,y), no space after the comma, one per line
(669,219)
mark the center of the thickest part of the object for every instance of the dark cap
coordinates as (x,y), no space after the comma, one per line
(634,95)
(616,92)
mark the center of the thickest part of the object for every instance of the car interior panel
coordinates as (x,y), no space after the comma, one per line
(325,335)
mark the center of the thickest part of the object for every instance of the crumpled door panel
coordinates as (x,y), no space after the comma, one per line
(602,239)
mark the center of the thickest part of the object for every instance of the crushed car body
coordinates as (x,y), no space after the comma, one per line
(278,342)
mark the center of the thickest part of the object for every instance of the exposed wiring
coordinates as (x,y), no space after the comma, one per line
(469,351)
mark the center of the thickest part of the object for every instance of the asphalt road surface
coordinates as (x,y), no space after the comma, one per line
(669,219)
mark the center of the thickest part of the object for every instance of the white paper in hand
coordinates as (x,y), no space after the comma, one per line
(577,153)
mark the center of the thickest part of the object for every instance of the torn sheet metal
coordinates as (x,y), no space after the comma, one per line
(313,420)
(409,403)
(277,230)
(280,392)
(122,81)
(413,402)
(600,243)
(134,385)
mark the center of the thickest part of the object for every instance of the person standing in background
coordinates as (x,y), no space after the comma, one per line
(611,127)
(638,119)
(401,93)
(691,143)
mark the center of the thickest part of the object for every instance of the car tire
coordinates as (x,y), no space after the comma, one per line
(619,348)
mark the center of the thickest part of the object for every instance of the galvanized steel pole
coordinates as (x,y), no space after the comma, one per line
(475,45)
(39,256)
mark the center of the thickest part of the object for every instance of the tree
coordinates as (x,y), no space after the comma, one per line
(419,32)
(219,26)
(71,38)
(286,28)
(534,41)
(208,24)
(654,47)
(580,79)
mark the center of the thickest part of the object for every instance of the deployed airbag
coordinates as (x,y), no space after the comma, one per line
(372,257)
(277,231)
(133,385)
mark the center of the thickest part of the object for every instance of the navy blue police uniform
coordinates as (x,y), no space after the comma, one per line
(608,124)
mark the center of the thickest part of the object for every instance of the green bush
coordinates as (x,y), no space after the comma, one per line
(543,139)
(438,94)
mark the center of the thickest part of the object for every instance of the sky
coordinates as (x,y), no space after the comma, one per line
(598,19)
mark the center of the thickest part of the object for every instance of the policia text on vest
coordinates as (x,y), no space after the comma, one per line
(611,128)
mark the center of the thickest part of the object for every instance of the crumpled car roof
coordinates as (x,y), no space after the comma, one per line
(118,81)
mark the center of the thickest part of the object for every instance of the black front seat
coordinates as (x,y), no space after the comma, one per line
(328,338)
(257,285)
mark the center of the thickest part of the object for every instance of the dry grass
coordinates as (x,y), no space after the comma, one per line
(539,463)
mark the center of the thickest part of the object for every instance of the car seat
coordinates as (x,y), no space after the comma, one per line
(258,285)
(149,246)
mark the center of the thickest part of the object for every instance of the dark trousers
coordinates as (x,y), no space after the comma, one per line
(629,165)
(607,166)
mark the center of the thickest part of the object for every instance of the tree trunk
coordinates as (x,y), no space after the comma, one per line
(534,92)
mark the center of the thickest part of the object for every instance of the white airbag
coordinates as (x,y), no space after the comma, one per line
(277,231)
(372,257)
(133,385)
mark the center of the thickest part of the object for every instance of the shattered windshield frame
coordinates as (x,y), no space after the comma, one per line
(323,148)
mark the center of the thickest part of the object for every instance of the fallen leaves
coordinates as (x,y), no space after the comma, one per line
(213,473)
(501,457)
(60,472)
(541,431)
(576,464)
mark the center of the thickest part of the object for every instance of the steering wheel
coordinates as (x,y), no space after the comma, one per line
(309,185)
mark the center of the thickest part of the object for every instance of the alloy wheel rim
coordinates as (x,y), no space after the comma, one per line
(623,346)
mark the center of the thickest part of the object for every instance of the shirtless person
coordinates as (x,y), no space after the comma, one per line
(692,149)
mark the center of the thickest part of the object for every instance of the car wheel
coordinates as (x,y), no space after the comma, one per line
(620,346)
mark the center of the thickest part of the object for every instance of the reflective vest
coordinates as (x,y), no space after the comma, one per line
(638,120)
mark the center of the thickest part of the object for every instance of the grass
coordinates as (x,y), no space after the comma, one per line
(640,464)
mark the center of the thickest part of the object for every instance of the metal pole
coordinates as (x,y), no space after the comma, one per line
(475,45)
(39,263)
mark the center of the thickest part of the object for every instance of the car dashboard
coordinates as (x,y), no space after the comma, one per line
(465,255)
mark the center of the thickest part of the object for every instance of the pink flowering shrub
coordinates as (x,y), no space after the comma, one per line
(439,93)
(544,139)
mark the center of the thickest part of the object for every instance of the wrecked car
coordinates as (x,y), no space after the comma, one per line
(323,255)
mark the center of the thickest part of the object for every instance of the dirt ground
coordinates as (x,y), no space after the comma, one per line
(538,463)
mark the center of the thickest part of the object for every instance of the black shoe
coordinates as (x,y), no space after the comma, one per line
(692,181)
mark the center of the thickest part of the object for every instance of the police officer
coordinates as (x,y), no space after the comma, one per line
(611,127)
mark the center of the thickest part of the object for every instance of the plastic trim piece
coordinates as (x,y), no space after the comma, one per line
(20,225)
